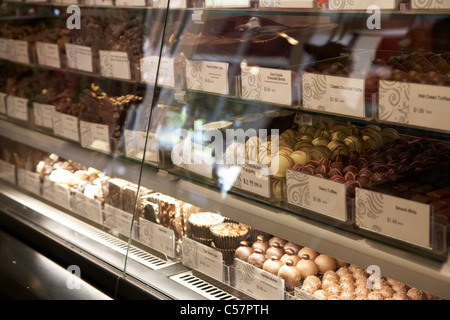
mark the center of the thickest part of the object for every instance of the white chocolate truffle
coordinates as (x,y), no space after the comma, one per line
(375,296)
(313,281)
(320,294)
(415,294)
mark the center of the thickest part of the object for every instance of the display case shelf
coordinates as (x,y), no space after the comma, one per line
(410,267)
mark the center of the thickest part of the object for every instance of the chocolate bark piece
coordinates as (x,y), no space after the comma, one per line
(150,211)
(114,196)
(129,194)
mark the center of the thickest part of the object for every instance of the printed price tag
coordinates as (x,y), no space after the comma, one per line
(266,84)
(174,4)
(43,115)
(157,237)
(286,3)
(4,48)
(202,258)
(29,181)
(195,158)
(430,4)
(317,194)
(48,54)
(7,172)
(119,220)
(258,283)
(207,76)
(17,107)
(253,178)
(362,4)
(166,75)
(2,102)
(95,136)
(62,195)
(115,64)
(99,2)
(66,126)
(227,3)
(330,94)
(79,57)
(414,104)
(130,3)
(135,144)
(20,51)
(392,216)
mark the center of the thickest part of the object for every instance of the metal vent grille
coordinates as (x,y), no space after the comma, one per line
(108,240)
(202,287)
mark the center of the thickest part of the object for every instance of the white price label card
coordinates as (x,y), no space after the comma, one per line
(362,4)
(95,136)
(87,207)
(48,54)
(166,74)
(62,195)
(135,145)
(115,64)
(17,107)
(4,48)
(227,3)
(194,157)
(99,3)
(202,258)
(20,50)
(266,84)
(7,172)
(207,76)
(257,282)
(414,104)
(174,4)
(47,190)
(253,178)
(118,220)
(65,1)
(130,3)
(287,4)
(395,217)
(430,4)
(43,114)
(2,102)
(79,57)
(317,194)
(65,125)
(331,94)
(29,181)
(157,237)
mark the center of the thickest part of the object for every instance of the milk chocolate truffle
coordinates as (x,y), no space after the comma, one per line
(290,255)
(307,266)
(281,241)
(290,274)
(310,252)
(275,250)
(272,265)
(260,243)
(257,258)
(243,252)
(325,263)
(290,245)
(415,294)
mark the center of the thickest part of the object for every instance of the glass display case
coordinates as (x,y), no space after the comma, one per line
(233,150)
